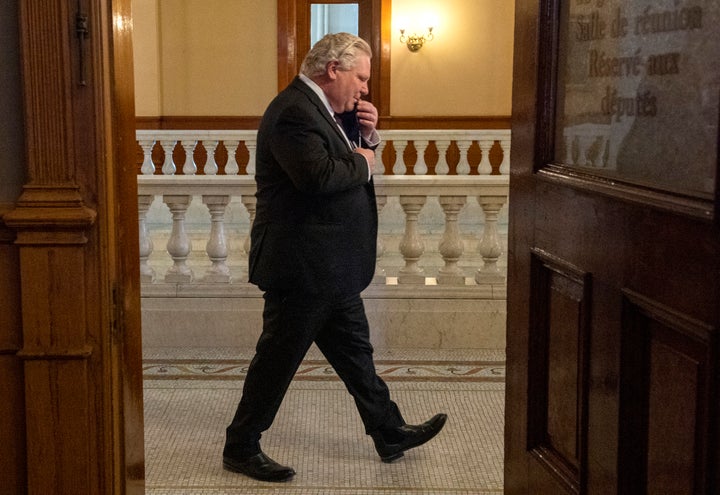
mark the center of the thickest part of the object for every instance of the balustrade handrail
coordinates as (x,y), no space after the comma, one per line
(489,188)
(387,134)
(385,185)
(463,139)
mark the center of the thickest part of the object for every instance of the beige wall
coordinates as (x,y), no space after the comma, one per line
(465,70)
(146,55)
(218,57)
(206,57)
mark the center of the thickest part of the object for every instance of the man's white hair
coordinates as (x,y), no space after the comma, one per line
(343,48)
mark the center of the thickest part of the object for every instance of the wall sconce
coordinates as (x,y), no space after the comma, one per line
(415,42)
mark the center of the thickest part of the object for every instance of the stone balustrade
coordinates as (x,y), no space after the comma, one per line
(412,192)
(447,146)
(441,237)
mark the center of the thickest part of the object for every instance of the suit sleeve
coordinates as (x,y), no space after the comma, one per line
(313,156)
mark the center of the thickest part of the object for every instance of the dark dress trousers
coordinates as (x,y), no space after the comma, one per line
(313,247)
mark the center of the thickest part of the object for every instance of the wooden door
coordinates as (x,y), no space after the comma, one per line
(70,342)
(614,249)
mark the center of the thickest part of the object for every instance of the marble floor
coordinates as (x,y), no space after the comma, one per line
(191,394)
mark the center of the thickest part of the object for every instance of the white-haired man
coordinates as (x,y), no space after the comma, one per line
(312,252)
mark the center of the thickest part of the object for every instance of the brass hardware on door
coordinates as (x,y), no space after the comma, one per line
(81,30)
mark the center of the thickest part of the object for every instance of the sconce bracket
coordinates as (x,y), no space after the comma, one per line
(415,42)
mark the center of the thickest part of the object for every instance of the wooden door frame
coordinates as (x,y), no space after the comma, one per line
(128,466)
(76,232)
(293,41)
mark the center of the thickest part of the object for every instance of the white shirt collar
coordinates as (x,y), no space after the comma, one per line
(318,90)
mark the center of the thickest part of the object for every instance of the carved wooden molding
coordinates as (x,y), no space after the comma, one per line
(210,122)
(7,235)
(678,203)
(245,122)
(47,50)
(445,122)
(60,264)
(83,352)
(50,215)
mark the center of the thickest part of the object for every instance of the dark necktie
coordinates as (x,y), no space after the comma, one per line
(349,123)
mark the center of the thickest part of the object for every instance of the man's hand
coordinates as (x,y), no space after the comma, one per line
(367,116)
(369,156)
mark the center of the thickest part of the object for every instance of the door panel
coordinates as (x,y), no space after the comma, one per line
(614,254)
(557,391)
(12,407)
(666,399)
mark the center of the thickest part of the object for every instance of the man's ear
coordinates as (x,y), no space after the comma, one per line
(332,68)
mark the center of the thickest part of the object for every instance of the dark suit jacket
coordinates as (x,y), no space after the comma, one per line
(316,222)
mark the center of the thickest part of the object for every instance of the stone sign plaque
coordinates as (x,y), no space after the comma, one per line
(638,93)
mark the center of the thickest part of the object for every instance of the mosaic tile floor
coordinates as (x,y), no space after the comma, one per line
(191,394)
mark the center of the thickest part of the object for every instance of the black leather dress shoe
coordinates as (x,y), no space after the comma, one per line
(258,466)
(391,443)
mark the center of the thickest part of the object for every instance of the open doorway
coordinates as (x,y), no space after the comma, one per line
(461,359)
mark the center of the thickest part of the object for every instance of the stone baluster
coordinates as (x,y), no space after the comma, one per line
(379,164)
(485,167)
(400,168)
(379,277)
(216,247)
(190,167)
(489,246)
(463,166)
(251,147)
(420,167)
(178,246)
(250,203)
(505,164)
(148,167)
(147,273)
(411,245)
(231,167)
(451,246)
(168,146)
(442,167)
(211,166)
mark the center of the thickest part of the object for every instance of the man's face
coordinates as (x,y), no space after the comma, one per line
(348,86)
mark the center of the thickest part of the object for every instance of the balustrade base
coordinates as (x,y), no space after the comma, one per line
(489,278)
(401,317)
(178,278)
(450,279)
(411,278)
(217,277)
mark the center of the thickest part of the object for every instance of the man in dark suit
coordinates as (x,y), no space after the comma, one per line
(312,252)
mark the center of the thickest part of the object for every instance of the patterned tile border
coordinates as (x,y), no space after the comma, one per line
(300,490)
(320,370)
